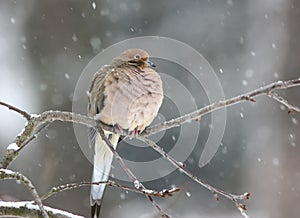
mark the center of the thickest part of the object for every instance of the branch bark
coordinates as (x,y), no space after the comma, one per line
(61,188)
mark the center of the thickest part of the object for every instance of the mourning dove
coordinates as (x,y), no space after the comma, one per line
(127,94)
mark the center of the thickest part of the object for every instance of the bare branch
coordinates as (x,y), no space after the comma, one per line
(26,115)
(8,174)
(215,191)
(162,193)
(284,102)
(196,115)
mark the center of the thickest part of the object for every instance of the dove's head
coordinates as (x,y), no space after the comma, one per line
(137,57)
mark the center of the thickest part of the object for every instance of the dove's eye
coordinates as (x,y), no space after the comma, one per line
(137,56)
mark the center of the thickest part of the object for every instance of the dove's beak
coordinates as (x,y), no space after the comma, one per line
(150,63)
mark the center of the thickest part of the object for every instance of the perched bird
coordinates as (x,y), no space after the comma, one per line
(128,94)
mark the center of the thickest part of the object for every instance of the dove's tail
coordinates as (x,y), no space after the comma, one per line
(102,164)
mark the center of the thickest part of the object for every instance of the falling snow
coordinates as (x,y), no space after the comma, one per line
(188,194)
(244,82)
(67,76)
(74,38)
(275,161)
(294,121)
(292,140)
(242,115)
(95,43)
(221,70)
(122,196)
(94,5)
(253,53)
(12,20)
(249,73)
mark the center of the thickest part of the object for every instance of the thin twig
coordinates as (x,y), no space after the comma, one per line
(8,174)
(284,102)
(196,115)
(215,191)
(162,193)
(26,115)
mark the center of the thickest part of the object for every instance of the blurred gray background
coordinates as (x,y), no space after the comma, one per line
(46,44)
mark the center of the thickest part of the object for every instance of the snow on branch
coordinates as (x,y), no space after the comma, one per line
(29,209)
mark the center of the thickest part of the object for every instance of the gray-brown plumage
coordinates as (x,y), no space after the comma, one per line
(127,93)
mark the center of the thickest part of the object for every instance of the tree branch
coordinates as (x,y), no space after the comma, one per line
(284,102)
(249,96)
(215,191)
(35,121)
(26,115)
(162,193)
(8,174)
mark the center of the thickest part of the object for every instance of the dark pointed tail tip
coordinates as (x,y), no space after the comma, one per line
(95,207)
(95,210)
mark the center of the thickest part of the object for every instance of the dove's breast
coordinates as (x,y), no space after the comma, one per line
(132,98)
